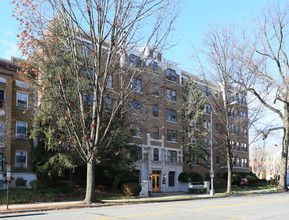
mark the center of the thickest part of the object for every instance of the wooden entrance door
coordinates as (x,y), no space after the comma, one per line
(156,182)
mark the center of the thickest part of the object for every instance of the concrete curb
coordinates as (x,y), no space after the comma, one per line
(59,206)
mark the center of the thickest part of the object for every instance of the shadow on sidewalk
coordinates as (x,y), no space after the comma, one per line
(22,215)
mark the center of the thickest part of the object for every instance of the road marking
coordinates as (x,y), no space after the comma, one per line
(234,219)
(138,215)
(175,205)
(245,203)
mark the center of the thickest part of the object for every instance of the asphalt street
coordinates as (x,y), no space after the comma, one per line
(266,206)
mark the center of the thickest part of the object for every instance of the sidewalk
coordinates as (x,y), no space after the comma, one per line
(160,197)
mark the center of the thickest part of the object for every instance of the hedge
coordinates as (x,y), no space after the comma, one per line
(190,177)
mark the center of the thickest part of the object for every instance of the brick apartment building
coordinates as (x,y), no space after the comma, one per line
(16,102)
(160,137)
(268,160)
(155,120)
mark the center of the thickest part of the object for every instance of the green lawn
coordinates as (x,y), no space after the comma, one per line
(51,194)
(245,188)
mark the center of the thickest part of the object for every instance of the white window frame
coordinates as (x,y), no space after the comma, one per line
(136,130)
(18,135)
(26,154)
(25,93)
(171,95)
(172,156)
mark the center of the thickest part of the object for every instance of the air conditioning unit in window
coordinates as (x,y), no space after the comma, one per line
(2,145)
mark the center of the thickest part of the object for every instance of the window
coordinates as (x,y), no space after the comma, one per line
(243,101)
(171,95)
(231,129)
(2,131)
(207,91)
(1,162)
(237,162)
(2,99)
(194,159)
(232,144)
(242,162)
(230,96)
(244,147)
(171,115)
(22,100)
(135,107)
(156,132)
(21,159)
(243,115)
(237,113)
(172,135)
(208,161)
(171,75)
(236,129)
(136,85)
(21,129)
(238,146)
(208,143)
(237,98)
(244,132)
(207,125)
(217,160)
(155,65)
(156,89)
(156,154)
(216,93)
(1,184)
(172,156)
(155,111)
(135,130)
(171,178)
(108,104)
(134,61)
(109,82)
(207,108)
(229,111)
(86,49)
(91,99)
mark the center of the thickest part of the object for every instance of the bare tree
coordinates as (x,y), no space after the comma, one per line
(228,101)
(259,156)
(80,51)
(265,66)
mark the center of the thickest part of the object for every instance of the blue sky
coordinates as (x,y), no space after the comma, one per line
(196,17)
(193,22)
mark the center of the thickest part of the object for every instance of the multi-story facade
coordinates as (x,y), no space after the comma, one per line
(16,101)
(158,127)
(226,128)
(266,159)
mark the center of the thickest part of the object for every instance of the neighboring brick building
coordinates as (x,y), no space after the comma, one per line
(16,103)
(267,159)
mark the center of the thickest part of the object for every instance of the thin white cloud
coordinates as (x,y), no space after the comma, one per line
(9,33)
(10,49)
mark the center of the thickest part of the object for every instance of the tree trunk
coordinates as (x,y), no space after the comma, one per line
(90,183)
(229,178)
(282,186)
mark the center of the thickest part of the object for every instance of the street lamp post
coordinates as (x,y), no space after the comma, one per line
(212,192)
